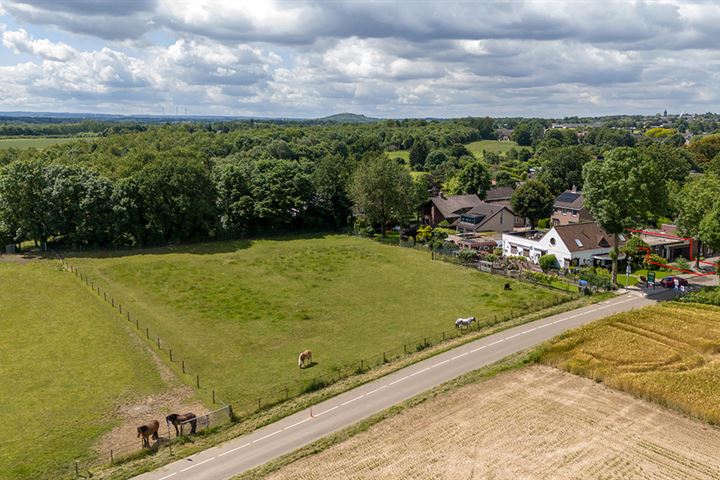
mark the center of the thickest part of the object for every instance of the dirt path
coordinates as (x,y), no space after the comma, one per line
(533,423)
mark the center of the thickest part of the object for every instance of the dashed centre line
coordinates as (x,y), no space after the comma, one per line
(398,381)
(198,464)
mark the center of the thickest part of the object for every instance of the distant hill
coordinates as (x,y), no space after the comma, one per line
(347,118)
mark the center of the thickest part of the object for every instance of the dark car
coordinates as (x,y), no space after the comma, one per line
(669,282)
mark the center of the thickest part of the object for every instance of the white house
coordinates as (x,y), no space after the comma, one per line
(572,244)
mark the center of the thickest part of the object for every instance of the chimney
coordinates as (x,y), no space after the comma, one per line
(574,189)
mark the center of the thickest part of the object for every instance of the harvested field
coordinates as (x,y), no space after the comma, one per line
(668,353)
(537,422)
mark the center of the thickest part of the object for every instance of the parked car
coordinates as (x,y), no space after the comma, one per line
(669,282)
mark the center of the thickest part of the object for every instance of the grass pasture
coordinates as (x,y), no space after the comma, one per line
(240,312)
(66,363)
(495,146)
(34,142)
(667,353)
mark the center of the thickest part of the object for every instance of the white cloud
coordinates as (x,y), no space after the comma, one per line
(20,41)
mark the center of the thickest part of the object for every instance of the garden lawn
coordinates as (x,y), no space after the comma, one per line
(494,146)
(239,313)
(65,362)
(668,353)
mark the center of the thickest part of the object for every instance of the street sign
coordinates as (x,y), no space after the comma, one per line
(651,277)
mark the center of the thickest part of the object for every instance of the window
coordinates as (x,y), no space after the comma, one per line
(553,241)
(579,243)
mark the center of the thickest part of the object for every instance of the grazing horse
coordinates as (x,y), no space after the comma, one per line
(177,419)
(147,430)
(305,358)
(464,322)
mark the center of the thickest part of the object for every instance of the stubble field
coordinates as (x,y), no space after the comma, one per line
(537,422)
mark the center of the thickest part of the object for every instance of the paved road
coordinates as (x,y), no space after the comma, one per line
(242,453)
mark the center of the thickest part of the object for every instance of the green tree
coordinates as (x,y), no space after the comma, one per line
(178,200)
(418,154)
(533,200)
(522,135)
(234,200)
(504,179)
(282,192)
(474,178)
(25,204)
(705,148)
(382,190)
(549,262)
(330,181)
(561,168)
(695,203)
(621,192)
(435,159)
(636,249)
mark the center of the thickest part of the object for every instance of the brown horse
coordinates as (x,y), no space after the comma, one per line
(305,358)
(149,429)
(177,419)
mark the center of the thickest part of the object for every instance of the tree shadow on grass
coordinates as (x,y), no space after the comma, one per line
(199,248)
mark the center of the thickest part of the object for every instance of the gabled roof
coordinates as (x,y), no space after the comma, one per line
(584,236)
(569,199)
(485,211)
(453,206)
(500,193)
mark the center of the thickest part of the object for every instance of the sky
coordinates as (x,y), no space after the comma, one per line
(381,58)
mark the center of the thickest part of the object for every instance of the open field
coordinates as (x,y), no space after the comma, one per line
(240,312)
(668,353)
(37,142)
(536,422)
(494,146)
(70,372)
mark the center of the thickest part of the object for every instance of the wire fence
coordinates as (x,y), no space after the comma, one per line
(275,395)
(118,450)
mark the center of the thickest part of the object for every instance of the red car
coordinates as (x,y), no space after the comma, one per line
(669,282)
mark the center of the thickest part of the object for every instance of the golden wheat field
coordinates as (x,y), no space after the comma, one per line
(538,422)
(668,353)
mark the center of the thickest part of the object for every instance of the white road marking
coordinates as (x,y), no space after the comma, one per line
(300,422)
(478,349)
(267,436)
(230,451)
(458,356)
(197,464)
(168,476)
(391,383)
(376,390)
(350,401)
(327,411)
(442,363)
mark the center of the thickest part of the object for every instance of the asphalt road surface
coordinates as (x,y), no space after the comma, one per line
(284,436)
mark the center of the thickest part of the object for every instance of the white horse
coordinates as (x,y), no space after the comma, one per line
(464,322)
(305,356)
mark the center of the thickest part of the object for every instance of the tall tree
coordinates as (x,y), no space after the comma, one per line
(330,180)
(474,177)
(705,148)
(25,204)
(621,192)
(533,200)
(561,168)
(382,190)
(418,154)
(695,204)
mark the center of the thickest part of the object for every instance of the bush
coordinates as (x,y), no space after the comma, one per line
(538,277)
(363,227)
(543,223)
(708,296)
(655,262)
(682,263)
(424,234)
(467,256)
(549,262)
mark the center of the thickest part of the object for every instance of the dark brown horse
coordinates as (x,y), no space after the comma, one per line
(147,430)
(177,419)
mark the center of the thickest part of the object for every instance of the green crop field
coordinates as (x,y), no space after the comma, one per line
(66,363)
(37,142)
(241,312)
(668,353)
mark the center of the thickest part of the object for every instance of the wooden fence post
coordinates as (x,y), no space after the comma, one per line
(77,469)
(259,403)
(158,341)
(111,457)
(183,366)
(198,381)
(384,358)
(171,355)
(147,332)
(213,393)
